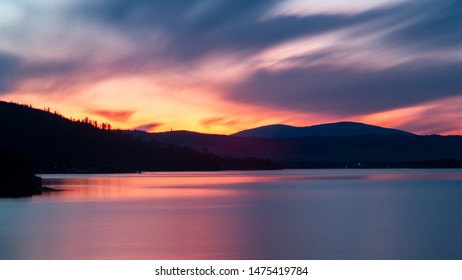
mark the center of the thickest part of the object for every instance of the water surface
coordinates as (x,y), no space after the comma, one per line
(288,214)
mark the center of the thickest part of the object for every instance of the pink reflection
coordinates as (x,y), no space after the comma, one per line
(143,230)
(294,214)
(146,186)
(146,216)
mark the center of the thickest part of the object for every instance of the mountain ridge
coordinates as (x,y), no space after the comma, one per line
(341,129)
(55,144)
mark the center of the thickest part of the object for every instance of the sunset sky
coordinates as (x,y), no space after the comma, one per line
(220,66)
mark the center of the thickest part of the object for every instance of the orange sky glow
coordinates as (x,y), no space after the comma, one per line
(197,69)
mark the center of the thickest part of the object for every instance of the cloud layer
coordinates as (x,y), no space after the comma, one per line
(348,91)
(349,62)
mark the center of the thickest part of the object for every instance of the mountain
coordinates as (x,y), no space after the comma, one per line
(365,151)
(329,151)
(55,144)
(343,129)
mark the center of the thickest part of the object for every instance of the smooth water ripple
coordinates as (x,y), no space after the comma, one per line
(288,214)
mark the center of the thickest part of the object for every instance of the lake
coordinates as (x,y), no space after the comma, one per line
(286,214)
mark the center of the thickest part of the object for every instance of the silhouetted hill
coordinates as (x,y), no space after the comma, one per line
(56,144)
(330,129)
(329,151)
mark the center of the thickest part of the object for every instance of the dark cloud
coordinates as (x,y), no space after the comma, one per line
(51,75)
(427,24)
(193,29)
(9,66)
(119,116)
(169,34)
(349,91)
(175,13)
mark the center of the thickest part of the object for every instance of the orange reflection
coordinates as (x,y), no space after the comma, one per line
(144,230)
(156,216)
(146,186)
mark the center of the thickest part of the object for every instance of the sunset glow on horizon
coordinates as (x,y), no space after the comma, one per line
(225,66)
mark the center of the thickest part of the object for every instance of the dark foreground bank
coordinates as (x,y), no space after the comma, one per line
(16,176)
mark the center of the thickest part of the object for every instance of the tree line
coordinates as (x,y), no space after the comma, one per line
(86,120)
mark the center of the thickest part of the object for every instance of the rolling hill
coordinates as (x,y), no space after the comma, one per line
(329,151)
(55,144)
(331,129)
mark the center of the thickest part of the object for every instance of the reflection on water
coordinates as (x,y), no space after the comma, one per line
(290,214)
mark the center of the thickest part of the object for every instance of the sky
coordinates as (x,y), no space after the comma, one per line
(221,66)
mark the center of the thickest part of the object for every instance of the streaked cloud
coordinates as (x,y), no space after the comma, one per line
(428,25)
(304,8)
(437,117)
(148,127)
(220,121)
(8,67)
(119,116)
(349,91)
(333,59)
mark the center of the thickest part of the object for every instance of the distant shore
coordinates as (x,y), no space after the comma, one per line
(430,164)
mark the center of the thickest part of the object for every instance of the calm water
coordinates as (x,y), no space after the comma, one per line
(290,214)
